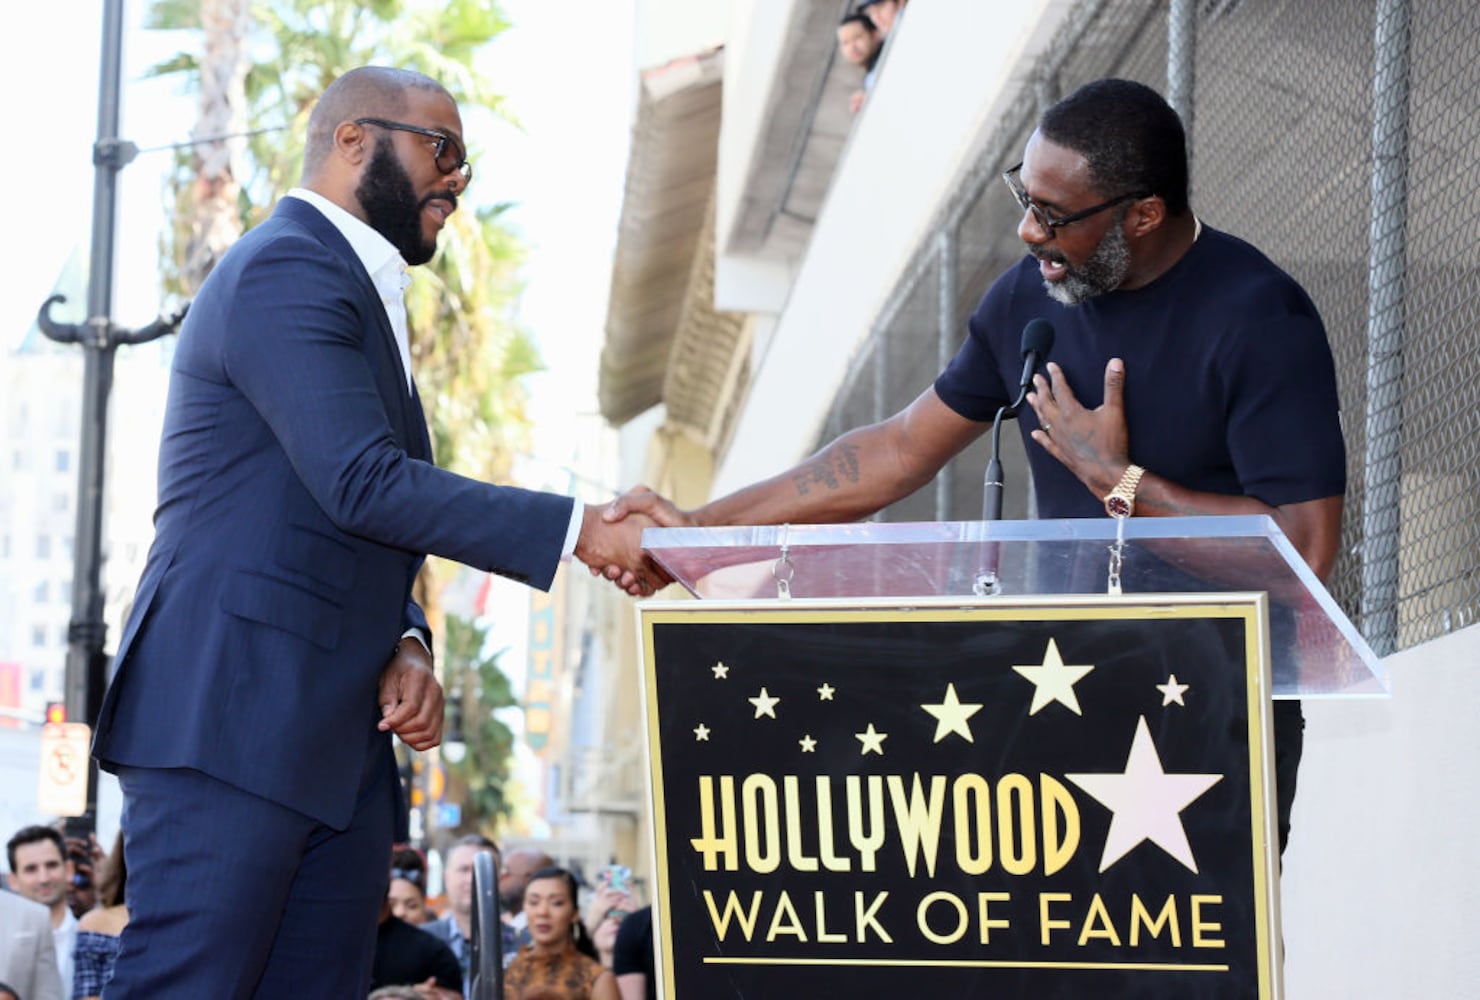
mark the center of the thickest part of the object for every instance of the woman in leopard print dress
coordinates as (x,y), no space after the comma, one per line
(560,963)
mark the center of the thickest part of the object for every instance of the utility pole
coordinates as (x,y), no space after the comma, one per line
(99,338)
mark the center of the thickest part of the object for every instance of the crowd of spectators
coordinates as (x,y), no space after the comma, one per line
(563,937)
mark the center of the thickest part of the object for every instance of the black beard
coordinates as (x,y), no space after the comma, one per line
(1102,272)
(392,208)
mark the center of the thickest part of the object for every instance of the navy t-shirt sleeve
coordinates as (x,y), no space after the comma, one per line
(1283,417)
(972,383)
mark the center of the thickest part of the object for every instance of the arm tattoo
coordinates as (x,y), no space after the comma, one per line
(831,468)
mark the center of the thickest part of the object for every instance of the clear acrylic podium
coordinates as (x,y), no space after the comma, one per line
(1079,727)
(1315,651)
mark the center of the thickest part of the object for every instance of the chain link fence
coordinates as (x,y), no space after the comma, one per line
(1342,139)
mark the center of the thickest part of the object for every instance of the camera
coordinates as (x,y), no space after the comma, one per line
(617,877)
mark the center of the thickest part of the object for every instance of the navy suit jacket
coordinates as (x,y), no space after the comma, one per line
(297,499)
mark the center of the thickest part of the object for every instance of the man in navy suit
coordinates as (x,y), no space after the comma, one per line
(273,645)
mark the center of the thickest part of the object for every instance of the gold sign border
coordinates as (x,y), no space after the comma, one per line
(1252,608)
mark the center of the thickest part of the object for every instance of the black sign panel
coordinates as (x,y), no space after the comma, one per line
(1012,799)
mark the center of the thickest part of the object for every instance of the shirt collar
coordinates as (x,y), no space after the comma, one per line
(374,250)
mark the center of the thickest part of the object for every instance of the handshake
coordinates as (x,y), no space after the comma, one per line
(610,542)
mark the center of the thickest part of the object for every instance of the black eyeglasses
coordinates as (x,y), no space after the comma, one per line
(1049,223)
(448,153)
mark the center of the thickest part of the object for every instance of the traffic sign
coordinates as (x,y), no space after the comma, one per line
(62,788)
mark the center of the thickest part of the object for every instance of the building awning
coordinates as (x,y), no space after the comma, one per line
(665,211)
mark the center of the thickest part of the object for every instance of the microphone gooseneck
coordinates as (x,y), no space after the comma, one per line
(1037,341)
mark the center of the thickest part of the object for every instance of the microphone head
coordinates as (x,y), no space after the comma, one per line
(1037,337)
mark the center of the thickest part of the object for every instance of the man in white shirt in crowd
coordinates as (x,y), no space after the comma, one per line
(40,871)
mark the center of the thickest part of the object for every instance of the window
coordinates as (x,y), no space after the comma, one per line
(38,636)
(64,460)
(43,592)
(43,546)
(60,502)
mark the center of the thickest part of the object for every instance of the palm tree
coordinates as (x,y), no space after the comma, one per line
(476,687)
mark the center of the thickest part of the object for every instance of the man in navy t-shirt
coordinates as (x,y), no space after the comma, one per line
(1190,375)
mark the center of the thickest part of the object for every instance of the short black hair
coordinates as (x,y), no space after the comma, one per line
(1129,136)
(34,835)
(859,17)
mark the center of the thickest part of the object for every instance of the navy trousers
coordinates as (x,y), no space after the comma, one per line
(233,896)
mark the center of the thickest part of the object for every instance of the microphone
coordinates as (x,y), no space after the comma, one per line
(1036,343)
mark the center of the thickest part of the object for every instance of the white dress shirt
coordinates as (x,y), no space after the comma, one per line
(64,938)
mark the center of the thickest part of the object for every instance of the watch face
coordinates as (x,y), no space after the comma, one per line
(1118,506)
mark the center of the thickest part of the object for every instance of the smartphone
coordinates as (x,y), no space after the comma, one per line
(617,877)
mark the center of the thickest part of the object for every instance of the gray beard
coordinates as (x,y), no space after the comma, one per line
(1103,272)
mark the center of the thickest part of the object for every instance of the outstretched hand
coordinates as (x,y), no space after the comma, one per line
(652,509)
(1092,444)
(642,500)
(613,548)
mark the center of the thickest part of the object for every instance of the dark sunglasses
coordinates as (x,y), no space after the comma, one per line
(448,153)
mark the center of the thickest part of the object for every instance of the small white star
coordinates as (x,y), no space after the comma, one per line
(1171,691)
(701,733)
(1053,681)
(872,740)
(808,743)
(951,715)
(825,692)
(1146,803)
(764,704)
(720,671)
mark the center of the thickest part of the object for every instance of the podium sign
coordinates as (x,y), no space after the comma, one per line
(1047,797)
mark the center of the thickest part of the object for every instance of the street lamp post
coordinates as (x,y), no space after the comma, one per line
(99,338)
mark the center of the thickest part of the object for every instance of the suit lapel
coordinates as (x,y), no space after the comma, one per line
(403,408)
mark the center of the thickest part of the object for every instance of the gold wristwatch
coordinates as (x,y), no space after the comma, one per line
(1121,501)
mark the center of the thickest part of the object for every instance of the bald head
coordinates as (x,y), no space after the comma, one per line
(519,865)
(367,92)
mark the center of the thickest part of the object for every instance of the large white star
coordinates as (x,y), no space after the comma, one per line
(1147,802)
(1053,681)
(951,715)
(1172,692)
(872,740)
(764,704)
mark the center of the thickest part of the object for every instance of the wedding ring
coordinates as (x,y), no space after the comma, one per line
(1047,427)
